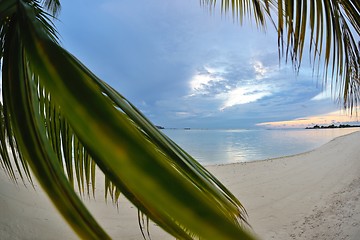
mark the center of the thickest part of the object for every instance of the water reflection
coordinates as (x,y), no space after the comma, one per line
(229,146)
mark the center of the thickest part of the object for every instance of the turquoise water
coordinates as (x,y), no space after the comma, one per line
(231,146)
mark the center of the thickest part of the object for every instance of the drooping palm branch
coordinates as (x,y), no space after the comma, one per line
(334,40)
(329,28)
(60,120)
(56,114)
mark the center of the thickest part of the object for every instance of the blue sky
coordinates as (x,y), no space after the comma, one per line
(183,66)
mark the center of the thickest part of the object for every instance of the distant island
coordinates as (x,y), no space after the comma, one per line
(185,128)
(333,126)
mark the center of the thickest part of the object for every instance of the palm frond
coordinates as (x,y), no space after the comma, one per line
(7,9)
(8,151)
(53,6)
(29,132)
(331,29)
(62,114)
(254,9)
(334,30)
(72,156)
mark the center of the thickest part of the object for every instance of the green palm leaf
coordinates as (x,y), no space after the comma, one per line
(65,108)
(28,129)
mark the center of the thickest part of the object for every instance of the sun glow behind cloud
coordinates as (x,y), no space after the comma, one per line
(202,80)
(243,95)
(229,90)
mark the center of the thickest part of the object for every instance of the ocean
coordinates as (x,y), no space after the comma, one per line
(221,146)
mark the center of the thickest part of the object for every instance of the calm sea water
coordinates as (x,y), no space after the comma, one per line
(231,146)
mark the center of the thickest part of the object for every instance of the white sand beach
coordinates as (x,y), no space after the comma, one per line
(314,195)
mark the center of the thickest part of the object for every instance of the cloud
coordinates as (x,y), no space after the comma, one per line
(231,84)
(254,89)
(260,71)
(243,95)
(183,114)
(323,95)
(204,80)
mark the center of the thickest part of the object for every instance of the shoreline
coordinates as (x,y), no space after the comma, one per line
(312,195)
(289,197)
(217,147)
(281,157)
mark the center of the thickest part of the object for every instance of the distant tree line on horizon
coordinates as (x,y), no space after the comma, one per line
(333,126)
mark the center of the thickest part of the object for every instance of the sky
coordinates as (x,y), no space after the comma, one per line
(185,66)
